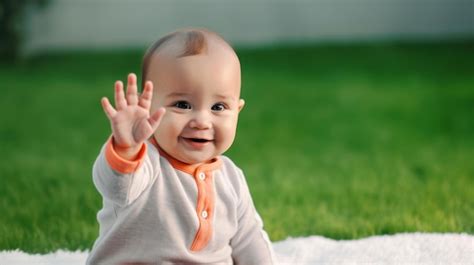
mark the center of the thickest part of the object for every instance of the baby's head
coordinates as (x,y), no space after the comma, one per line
(196,77)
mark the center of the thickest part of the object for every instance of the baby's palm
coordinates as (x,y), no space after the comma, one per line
(130,120)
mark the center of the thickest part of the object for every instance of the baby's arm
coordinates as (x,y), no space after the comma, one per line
(118,172)
(250,245)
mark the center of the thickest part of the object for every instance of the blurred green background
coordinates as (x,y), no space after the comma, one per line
(331,142)
(358,120)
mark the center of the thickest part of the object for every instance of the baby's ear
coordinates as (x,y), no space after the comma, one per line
(241,104)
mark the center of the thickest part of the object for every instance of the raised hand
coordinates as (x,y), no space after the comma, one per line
(130,120)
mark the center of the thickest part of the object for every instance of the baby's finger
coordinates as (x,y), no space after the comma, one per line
(132,97)
(145,98)
(155,119)
(108,109)
(120,102)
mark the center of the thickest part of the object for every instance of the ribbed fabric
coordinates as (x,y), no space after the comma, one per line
(154,214)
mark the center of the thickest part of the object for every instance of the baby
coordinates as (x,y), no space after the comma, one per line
(169,196)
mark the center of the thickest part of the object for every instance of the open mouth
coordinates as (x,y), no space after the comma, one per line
(198,140)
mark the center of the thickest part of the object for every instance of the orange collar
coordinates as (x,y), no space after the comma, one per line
(191,169)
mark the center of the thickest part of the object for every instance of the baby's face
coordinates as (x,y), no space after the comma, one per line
(201,94)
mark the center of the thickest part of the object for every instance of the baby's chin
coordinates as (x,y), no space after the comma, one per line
(193,158)
(188,155)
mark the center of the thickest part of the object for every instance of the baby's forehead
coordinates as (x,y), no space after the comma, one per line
(198,71)
(218,59)
(215,57)
(176,54)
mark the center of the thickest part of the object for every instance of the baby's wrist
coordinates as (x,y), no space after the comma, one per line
(127,152)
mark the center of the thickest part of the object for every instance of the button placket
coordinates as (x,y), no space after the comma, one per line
(205,207)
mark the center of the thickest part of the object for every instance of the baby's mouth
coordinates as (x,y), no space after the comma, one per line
(196,142)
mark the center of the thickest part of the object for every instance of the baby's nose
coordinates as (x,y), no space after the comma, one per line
(201,120)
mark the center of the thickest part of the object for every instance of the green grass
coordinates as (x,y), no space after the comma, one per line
(344,141)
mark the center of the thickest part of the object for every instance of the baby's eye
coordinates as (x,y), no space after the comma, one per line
(218,107)
(182,105)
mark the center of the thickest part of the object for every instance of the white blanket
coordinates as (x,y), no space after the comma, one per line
(409,248)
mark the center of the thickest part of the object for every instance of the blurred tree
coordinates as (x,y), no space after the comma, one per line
(12,26)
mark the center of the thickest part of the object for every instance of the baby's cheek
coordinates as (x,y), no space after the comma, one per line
(227,133)
(164,128)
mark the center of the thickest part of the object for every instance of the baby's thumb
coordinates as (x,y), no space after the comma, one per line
(155,119)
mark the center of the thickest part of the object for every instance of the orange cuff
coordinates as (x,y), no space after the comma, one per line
(120,164)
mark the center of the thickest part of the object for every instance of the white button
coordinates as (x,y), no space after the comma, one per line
(202,176)
(204,214)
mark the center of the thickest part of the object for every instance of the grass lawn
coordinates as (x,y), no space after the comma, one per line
(344,141)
